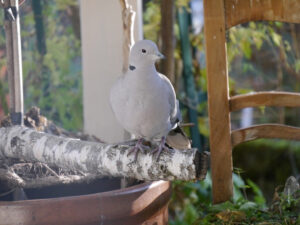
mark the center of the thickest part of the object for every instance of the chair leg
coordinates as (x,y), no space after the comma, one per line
(221,166)
(218,100)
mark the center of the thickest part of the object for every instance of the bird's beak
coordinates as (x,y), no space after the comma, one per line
(159,55)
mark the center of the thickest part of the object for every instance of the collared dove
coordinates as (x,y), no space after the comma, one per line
(144,101)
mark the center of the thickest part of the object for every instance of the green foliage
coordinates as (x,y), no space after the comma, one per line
(63,4)
(191,204)
(152,17)
(261,52)
(297,65)
(258,195)
(187,199)
(53,81)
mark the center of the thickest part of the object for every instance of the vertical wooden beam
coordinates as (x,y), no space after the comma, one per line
(14,60)
(167,39)
(218,100)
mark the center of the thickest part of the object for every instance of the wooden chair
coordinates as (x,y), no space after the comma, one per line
(220,15)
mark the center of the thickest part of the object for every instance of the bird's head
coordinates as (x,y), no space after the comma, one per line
(143,53)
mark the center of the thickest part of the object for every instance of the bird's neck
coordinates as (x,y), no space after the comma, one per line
(141,65)
(147,67)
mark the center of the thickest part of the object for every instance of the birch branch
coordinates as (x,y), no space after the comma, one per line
(100,159)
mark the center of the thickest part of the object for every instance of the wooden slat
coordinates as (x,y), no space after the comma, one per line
(265,131)
(217,76)
(242,11)
(272,98)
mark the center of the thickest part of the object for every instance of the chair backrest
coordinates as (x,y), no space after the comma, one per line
(220,15)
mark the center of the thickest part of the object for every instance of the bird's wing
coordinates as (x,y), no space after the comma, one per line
(176,137)
(117,97)
(175,115)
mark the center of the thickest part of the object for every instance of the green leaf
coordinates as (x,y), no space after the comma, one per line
(258,195)
(246,47)
(276,38)
(297,65)
(248,205)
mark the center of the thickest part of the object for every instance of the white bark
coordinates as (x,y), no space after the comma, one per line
(100,159)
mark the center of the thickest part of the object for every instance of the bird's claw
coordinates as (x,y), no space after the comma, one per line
(135,150)
(138,147)
(159,149)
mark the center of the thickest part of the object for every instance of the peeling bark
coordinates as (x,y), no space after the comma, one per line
(100,159)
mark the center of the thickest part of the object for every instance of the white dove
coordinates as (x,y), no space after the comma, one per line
(143,100)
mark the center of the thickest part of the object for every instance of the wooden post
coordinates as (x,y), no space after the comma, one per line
(218,100)
(14,60)
(167,38)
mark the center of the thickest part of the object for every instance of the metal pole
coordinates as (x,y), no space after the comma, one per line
(14,60)
(183,19)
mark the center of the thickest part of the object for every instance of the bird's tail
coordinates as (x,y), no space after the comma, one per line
(178,139)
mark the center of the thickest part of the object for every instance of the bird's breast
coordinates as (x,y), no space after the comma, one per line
(144,110)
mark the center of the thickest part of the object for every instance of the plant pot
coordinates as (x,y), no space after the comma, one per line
(145,204)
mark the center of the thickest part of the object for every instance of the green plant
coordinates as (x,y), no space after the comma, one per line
(52,77)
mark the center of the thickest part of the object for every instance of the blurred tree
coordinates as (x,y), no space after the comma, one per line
(52,67)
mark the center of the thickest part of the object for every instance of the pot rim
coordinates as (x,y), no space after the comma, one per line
(129,205)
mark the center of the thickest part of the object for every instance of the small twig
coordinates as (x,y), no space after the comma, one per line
(187,124)
(52,172)
(51,180)
(8,192)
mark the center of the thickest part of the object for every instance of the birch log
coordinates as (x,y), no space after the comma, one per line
(100,159)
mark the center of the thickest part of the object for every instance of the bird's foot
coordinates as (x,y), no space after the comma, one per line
(138,147)
(160,147)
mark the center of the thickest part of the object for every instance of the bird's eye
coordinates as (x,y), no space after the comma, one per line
(143,50)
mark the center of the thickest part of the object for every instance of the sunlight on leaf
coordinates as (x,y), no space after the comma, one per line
(233,216)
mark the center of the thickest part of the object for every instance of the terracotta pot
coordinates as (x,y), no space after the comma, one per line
(145,204)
